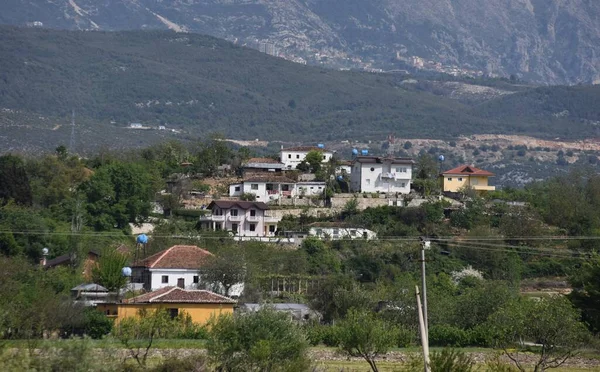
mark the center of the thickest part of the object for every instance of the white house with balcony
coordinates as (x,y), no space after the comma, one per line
(293,156)
(242,218)
(381,174)
(266,188)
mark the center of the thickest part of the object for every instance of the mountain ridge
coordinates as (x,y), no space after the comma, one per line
(544,41)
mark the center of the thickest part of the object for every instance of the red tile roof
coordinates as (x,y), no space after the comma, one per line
(467,170)
(179,295)
(176,257)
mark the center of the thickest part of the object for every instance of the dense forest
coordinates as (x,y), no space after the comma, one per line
(197,83)
(482,258)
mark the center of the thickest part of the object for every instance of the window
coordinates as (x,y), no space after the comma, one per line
(234,227)
(297,156)
(459,179)
(289,156)
(173,313)
(372,169)
(320,187)
(449,178)
(196,279)
(272,228)
(234,212)
(403,184)
(312,187)
(368,181)
(237,188)
(165,279)
(252,227)
(252,212)
(324,157)
(254,186)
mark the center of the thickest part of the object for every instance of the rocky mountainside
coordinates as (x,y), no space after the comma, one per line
(544,41)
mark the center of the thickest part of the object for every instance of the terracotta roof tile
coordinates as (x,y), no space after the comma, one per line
(176,257)
(468,171)
(179,295)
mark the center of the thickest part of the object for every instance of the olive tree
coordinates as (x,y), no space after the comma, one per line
(258,341)
(363,334)
(552,325)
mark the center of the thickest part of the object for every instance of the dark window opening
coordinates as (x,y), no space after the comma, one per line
(165,279)
(196,279)
(173,313)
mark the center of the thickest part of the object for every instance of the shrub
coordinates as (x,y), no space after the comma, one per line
(449,360)
(193,363)
(96,324)
(447,335)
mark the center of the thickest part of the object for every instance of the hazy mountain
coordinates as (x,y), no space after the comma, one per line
(547,41)
(197,84)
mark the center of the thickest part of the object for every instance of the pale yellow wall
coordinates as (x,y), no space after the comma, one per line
(455,185)
(200,313)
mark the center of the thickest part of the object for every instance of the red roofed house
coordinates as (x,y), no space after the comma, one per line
(466,176)
(176,266)
(201,305)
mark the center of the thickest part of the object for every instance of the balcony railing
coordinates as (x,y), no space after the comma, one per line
(272,192)
(212,217)
(235,218)
(483,188)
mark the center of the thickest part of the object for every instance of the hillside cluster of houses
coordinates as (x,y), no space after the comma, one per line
(173,279)
(268,181)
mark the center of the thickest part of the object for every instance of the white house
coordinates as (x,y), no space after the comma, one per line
(309,188)
(266,188)
(293,156)
(344,168)
(242,218)
(381,174)
(336,231)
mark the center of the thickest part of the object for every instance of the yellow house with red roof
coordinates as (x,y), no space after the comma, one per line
(463,176)
(200,305)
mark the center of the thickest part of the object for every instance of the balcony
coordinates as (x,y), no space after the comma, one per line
(272,192)
(483,188)
(235,218)
(213,217)
(253,218)
(271,219)
(388,175)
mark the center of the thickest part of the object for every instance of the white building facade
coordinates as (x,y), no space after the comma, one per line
(293,156)
(382,175)
(341,232)
(265,188)
(242,218)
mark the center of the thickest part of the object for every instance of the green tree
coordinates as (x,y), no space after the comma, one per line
(314,159)
(259,341)
(551,322)
(322,260)
(585,282)
(426,175)
(14,181)
(108,271)
(117,194)
(211,153)
(224,270)
(362,334)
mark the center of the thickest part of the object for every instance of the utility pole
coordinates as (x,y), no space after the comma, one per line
(425,244)
(424,334)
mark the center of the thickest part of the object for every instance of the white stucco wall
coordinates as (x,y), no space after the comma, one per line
(173,275)
(367,177)
(291,159)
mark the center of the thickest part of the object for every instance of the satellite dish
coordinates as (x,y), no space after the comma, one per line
(441,158)
(45,251)
(126,271)
(142,239)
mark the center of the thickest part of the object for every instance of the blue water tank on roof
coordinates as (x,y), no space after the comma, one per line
(364,152)
(321,146)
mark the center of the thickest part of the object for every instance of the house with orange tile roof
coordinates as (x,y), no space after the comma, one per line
(176,266)
(201,305)
(457,178)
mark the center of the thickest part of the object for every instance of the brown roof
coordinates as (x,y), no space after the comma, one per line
(269,178)
(262,161)
(180,295)
(467,170)
(227,204)
(176,257)
(380,159)
(304,148)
